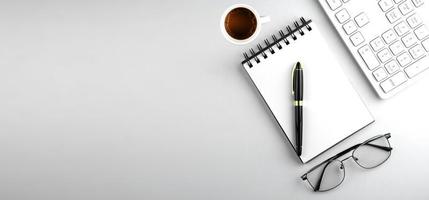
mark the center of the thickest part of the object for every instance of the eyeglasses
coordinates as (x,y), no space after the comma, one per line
(330,173)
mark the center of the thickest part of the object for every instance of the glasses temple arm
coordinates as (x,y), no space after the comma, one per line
(319,182)
(380,147)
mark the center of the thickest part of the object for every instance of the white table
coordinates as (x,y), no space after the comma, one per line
(147,100)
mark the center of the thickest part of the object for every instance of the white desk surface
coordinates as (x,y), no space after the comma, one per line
(147,100)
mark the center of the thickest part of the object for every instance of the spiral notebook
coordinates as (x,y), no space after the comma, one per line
(332,108)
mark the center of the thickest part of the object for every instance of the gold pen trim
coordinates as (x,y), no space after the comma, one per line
(298,103)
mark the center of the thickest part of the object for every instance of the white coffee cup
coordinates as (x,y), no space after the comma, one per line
(259,21)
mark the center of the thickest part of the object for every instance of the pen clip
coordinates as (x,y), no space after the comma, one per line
(292,79)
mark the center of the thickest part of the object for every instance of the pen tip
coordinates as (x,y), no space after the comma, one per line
(298,65)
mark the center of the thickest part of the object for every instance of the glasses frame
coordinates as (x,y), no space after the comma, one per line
(342,153)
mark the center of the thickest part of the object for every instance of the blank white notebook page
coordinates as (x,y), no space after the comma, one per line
(332,108)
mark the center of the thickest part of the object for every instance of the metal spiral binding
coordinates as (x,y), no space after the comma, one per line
(247,58)
(256,57)
(262,52)
(289,30)
(267,42)
(306,25)
(282,35)
(279,46)
(299,26)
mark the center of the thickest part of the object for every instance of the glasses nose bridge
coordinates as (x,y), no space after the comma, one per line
(346,158)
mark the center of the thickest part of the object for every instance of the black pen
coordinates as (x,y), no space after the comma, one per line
(298,94)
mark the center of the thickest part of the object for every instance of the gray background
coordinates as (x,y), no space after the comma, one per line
(147,100)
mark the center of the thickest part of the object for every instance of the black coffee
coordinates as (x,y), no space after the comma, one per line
(240,23)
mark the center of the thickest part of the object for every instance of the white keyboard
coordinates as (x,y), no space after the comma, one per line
(388,38)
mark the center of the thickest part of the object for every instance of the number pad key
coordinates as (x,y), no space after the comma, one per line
(350,27)
(418,3)
(416,69)
(414,20)
(402,28)
(334,4)
(361,19)
(379,74)
(342,16)
(397,47)
(409,39)
(384,55)
(393,82)
(393,15)
(385,4)
(389,36)
(425,44)
(377,44)
(404,59)
(417,51)
(421,32)
(392,67)
(357,38)
(369,57)
(406,7)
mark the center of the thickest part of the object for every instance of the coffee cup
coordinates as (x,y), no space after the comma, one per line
(241,24)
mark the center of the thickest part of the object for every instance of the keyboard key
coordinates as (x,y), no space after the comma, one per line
(393,15)
(389,36)
(368,57)
(406,7)
(379,74)
(357,38)
(342,16)
(425,44)
(416,69)
(409,39)
(404,59)
(418,3)
(397,47)
(421,32)
(350,27)
(417,51)
(392,67)
(361,19)
(397,1)
(414,20)
(384,55)
(334,4)
(377,44)
(393,82)
(385,4)
(402,28)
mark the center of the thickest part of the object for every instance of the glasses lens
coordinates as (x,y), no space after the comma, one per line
(326,176)
(373,153)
